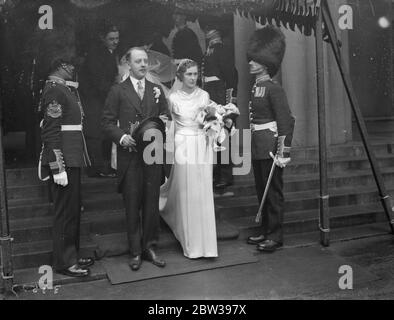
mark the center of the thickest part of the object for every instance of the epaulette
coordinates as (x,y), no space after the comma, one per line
(48,85)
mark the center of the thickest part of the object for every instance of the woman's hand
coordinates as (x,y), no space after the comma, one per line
(211,111)
(231,108)
(164,118)
(200,118)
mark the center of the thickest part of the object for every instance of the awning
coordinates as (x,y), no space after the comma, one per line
(291,14)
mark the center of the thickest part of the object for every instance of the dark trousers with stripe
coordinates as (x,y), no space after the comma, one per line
(273,209)
(141,191)
(67,220)
(223,170)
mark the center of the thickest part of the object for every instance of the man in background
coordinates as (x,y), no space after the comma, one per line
(99,73)
(220,79)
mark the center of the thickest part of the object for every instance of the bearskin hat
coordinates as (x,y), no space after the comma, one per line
(267,46)
(58,57)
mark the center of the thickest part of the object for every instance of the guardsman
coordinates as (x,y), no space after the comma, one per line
(185,44)
(272,126)
(63,155)
(219,78)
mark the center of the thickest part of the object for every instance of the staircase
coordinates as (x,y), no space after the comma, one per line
(353,201)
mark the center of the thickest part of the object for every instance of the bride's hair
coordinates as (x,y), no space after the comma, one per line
(183,66)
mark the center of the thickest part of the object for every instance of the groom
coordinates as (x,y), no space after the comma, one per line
(129,102)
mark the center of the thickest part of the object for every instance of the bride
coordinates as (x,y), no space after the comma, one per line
(186,200)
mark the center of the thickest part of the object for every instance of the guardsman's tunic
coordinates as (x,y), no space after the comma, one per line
(63,149)
(220,79)
(272,126)
(219,76)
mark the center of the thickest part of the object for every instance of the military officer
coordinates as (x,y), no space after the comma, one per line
(219,78)
(272,126)
(63,155)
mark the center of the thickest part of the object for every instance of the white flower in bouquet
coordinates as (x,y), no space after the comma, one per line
(211,118)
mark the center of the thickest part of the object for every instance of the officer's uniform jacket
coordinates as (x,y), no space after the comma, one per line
(271,121)
(63,143)
(218,64)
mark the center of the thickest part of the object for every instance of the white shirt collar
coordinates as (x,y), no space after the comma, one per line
(134,81)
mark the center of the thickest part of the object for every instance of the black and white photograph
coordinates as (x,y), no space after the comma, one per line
(197,156)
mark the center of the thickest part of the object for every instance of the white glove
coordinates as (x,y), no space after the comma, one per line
(231,108)
(61,179)
(279,161)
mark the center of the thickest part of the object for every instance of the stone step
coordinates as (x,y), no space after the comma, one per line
(346,165)
(41,190)
(27,278)
(301,182)
(300,201)
(308,220)
(296,221)
(104,220)
(103,196)
(38,253)
(39,229)
(380,147)
(21,209)
(350,233)
(338,164)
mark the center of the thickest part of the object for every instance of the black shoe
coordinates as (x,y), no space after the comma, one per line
(269,246)
(75,271)
(221,185)
(85,262)
(91,172)
(107,175)
(150,255)
(255,240)
(135,263)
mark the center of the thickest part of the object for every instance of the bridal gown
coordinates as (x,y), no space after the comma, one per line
(186,199)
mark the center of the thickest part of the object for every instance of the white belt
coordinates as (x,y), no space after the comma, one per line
(72,84)
(77,127)
(211,79)
(273,126)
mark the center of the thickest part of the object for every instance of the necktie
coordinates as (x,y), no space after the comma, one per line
(140,89)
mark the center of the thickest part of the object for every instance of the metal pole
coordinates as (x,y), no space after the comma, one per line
(384,197)
(6,270)
(324,218)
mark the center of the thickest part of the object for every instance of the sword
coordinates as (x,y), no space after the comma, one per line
(267,186)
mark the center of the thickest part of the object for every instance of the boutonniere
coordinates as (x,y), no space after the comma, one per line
(157,93)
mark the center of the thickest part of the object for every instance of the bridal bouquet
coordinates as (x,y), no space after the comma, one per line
(211,118)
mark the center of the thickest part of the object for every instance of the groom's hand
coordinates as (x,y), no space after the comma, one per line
(128,141)
(164,118)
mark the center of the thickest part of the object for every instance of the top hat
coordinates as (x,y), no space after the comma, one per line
(267,46)
(154,123)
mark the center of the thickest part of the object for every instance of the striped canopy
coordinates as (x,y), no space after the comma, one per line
(287,13)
